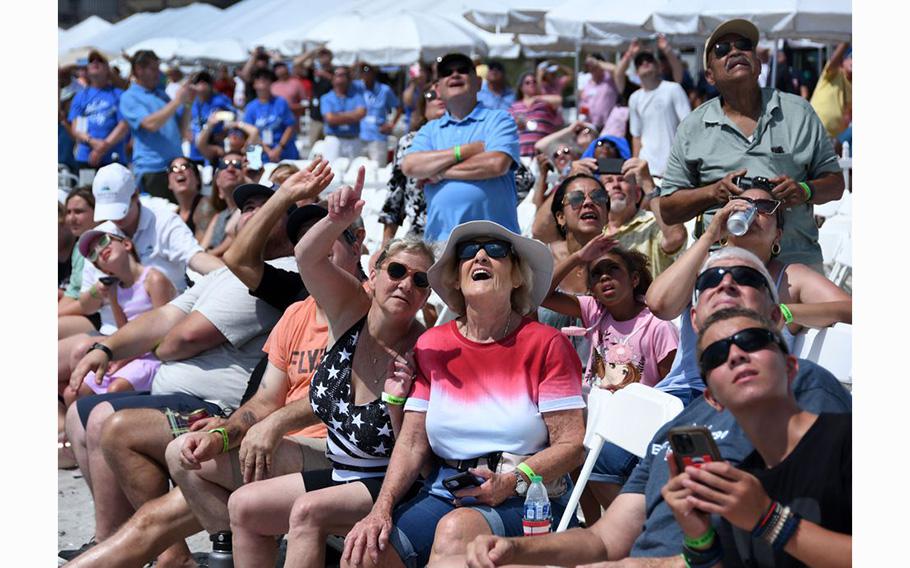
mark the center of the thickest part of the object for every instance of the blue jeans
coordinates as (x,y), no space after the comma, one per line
(614,465)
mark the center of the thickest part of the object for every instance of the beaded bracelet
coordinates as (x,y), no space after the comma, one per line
(789,529)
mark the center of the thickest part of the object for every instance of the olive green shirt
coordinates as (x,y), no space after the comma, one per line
(789,139)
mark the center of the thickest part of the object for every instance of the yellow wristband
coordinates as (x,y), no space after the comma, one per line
(224,439)
(526,469)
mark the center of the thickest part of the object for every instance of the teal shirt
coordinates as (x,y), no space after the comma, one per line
(75,283)
(708,146)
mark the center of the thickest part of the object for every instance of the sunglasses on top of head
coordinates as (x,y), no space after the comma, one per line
(575,199)
(397,271)
(749,340)
(460,68)
(744,275)
(467,250)
(763,206)
(722,48)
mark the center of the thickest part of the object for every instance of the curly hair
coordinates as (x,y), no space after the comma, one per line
(635,263)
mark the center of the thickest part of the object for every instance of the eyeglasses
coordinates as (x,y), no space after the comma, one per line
(461,69)
(397,271)
(177,168)
(467,250)
(575,199)
(561,151)
(763,206)
(745,275)
(749,340)
(102,243)
(722,48)
(225,164)
(431,96)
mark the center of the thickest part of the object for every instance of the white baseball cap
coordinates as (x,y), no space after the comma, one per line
(113,187)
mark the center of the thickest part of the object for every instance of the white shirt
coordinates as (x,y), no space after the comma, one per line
(653,117)
(162,240)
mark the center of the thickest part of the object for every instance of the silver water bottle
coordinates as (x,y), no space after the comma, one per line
(221,555)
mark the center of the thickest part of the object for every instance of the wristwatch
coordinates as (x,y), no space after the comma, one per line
(102,347)
(521,486)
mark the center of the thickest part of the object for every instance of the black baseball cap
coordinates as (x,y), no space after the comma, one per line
(248,190)
(452,60)
(497,65)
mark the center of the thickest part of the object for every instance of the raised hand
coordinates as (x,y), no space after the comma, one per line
(308,183)
(596,248)
(345,204)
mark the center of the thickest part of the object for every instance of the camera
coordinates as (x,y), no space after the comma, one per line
(756,182)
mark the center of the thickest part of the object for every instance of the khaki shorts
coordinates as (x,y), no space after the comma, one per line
(313,452)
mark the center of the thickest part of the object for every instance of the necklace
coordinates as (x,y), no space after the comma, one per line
(508,325)
(374,359)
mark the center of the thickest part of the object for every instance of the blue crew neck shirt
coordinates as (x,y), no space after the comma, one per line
(199,115)
(331,102)
(452,202)
(379,101)
(152,151)
(100,110)
(493,101)
(271,119)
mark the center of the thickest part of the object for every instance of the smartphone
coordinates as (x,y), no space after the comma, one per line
(254,157)
(609,165)
(693,445)
(224,116)
(107,280)
(462,480)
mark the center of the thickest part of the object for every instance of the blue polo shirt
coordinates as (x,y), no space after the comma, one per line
(452,202)
(98,108)
(493,101)
(380,101)
(152,151)
(331,102)
(272,119)
(200,113)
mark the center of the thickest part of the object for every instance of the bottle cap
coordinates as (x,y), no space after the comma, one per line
(536,479)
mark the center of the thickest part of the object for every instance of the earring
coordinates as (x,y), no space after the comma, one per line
(775,249)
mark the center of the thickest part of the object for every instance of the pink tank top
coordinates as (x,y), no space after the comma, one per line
(135,300)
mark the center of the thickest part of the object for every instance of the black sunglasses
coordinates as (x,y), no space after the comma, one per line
(561,151)
(397,271)
(467,250)
(575,199)
(763,206)
(745,275)
(431,96)
(225,164)
(749,340)
(178,168)
(460,68)
(722,48)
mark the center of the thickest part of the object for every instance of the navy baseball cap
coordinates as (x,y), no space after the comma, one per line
(248,190)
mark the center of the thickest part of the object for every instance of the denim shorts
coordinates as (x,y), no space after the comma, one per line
(415,522)
(614,465)
(176,403)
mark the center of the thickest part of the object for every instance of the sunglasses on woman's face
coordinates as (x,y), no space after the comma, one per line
(430,96)
(744,275)
(565,150)
(236,164)
(749,340)
(763,206)
(102,243)
(397,271)
(575,199)
(722,48)
(177,168)
(467,250)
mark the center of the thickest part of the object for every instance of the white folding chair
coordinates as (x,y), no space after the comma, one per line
(830,348)
(318,148)
(629,418)
(843,264)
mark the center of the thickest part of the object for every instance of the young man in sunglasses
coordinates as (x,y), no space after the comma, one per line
(639,524)
(468,157)
(751,131)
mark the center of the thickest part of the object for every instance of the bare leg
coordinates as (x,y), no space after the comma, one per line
(453,533)
(112,508)
(589,505)
(75,433)
(259,512)
(155,526)
(316,515)
(69,352)
(604,493)
(68,326)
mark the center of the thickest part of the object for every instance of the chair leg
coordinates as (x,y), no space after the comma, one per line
(593,453)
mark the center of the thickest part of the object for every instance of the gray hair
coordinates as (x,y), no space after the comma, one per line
(745,257)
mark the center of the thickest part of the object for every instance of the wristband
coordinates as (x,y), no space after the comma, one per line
(458,153)
(224,438)
(702,542)
(703,558)
(393,400)
(807,189)
(788,530)
(526,469)
(788,315)
(763,521)
(101,347)
(93,292)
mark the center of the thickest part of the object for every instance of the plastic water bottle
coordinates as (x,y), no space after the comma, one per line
(739,221)
(536,519)
(222,554)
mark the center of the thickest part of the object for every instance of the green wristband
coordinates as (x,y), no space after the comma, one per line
(224,439)
(393,400)
(807,189)
(526,469)
(788,315)
(458,153)
(93,292)
(702,542)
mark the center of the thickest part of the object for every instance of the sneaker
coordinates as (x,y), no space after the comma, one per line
(74,552)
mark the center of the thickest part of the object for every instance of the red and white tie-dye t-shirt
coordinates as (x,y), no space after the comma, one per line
(481,398)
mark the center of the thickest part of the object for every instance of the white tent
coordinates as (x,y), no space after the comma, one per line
(609,20)
(512,16)
(76,35)
(173,47)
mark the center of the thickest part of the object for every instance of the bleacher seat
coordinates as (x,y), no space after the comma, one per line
(830,347)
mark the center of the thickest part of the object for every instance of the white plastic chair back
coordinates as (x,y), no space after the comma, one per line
(318,148)
(843,264)
(830,348)
(629,418)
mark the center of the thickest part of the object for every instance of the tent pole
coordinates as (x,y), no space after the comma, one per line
(577,83)
(773,77)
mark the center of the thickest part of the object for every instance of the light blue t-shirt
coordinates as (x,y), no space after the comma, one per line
(271,119)
(380,101)
(493,101)
(452,202)
(152,151)
(684,372)
(99,109)
(200,113)
(331,102)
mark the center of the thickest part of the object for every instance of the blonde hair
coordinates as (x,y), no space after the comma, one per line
(520,298)
(282,172)
(406,244)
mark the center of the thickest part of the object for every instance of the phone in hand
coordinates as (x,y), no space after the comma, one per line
(224,116)
(254,157)
(462,480)
(609,166)
(108,280)
(693,445)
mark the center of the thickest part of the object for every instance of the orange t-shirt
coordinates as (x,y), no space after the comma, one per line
(296,346)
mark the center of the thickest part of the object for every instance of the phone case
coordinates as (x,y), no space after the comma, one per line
(693,445)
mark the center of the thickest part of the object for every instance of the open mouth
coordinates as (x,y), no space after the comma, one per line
(588,216)
(479,274)
(739,61)
(180,178)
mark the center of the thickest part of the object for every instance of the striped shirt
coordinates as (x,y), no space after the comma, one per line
(534,122)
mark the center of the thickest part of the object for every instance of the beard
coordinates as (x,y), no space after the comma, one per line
(618,204)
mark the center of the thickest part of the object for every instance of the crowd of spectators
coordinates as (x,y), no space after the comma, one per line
(232,358)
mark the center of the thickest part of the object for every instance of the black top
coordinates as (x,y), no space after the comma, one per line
(321,86)
(815,481)
(280,288)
